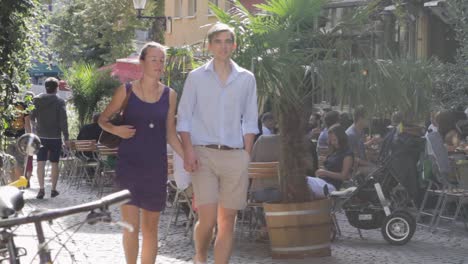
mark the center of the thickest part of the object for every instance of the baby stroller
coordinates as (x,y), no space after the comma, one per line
(384,198)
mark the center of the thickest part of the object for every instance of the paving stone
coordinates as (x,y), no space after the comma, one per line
(101,243)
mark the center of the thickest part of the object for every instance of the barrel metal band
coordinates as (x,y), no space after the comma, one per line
(286,249)
(300,212)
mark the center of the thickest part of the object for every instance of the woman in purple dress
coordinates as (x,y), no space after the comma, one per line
(142,166)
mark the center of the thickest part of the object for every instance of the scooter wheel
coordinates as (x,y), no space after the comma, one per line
(398,228)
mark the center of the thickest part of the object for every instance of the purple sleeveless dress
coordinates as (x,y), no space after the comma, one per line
(142,159)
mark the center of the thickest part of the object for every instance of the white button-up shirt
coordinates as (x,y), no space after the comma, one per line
(214,113)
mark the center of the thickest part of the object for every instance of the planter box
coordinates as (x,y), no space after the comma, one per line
(299,230)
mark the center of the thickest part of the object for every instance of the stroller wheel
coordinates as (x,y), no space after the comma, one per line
(398,228)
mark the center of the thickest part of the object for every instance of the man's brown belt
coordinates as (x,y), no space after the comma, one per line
(220,147)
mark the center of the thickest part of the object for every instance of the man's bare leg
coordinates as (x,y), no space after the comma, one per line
(40,178)
(54,173)
(40,173)
(224,238)
(204,230)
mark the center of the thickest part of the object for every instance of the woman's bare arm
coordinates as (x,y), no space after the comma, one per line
(113,107)
(171,132)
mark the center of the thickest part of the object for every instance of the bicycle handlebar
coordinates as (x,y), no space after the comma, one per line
(50,214)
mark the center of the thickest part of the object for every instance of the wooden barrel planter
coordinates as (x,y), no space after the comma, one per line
(299,230)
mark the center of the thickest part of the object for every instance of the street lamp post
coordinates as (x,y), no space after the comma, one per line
(139,5)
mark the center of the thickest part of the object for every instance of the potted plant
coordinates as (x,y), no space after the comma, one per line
(292,61)
(280,44)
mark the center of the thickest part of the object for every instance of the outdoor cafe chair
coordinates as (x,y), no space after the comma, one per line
(457,195)
(106,173)
(441,186)
(85,167)
(252,216)
(181,197)
(67,161)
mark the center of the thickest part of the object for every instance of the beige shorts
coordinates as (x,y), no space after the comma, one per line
(222,177)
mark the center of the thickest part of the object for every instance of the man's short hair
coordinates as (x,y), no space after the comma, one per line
(267,116)
(359,113)
(51,85)
(218,28)
(331,118)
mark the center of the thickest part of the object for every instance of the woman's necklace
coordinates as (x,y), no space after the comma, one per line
(150,124)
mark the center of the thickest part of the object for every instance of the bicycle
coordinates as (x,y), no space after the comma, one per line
(11,201)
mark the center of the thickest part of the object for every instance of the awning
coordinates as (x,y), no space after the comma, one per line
(46,70)
(344,3)
(125,69)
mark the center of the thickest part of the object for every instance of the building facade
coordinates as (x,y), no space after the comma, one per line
(419,30)
(191,19)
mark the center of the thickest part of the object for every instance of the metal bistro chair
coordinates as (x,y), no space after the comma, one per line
(440,186)
(67,161)
(84,164)
(181,197)
(252,216)
(106,174)
(457,195)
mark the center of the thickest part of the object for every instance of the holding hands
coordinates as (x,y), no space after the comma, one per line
(191,162)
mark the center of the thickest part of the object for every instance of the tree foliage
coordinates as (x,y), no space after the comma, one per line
(20,27)
(294,60)
(452,78)
(94,31)
(274,45)
(179,62)
(89,87)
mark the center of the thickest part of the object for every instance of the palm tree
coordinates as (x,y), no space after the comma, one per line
(293,60)
(274,45)
(89,86)
(180,61)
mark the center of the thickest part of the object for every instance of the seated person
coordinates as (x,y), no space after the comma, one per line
(313,126)
(331,118)
(268,124)
(338,165)
(447,121)
(433,126)
(356,141)
(345,120)
(385,149)
(90,132)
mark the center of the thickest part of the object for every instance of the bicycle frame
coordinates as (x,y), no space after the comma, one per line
(7,236)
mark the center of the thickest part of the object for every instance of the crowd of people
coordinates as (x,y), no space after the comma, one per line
(217,135)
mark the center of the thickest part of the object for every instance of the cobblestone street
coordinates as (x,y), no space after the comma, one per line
(101,243)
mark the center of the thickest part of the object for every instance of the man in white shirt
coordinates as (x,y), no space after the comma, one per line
(268,124)
(217,122)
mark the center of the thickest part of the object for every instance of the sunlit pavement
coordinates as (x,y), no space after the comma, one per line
(101,243)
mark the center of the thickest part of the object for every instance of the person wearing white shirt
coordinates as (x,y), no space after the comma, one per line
(268,124)
(217,122)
